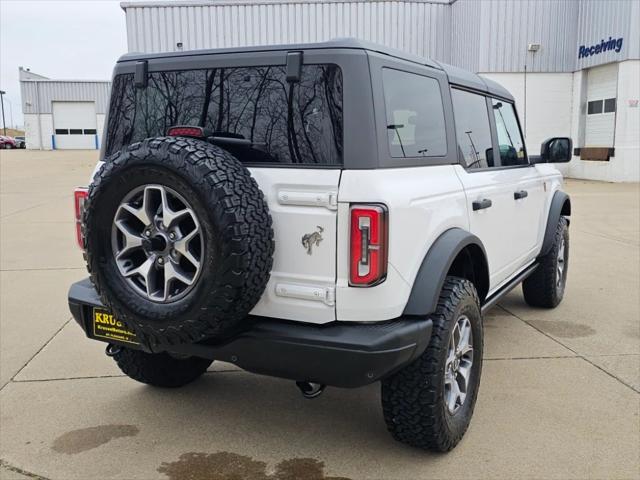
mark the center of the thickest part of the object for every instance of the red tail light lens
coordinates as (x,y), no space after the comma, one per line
(80,195)
(368,249)
(186,131)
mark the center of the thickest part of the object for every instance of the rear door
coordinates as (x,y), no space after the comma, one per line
(303,205)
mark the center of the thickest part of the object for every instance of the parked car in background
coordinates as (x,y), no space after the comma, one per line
(7,142)
(21,142)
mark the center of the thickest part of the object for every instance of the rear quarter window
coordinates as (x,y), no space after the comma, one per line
(287,123)
(414,115)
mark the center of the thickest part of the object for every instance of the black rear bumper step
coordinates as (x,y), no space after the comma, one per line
(342,354)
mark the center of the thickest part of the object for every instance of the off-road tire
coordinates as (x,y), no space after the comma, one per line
(160,369)
(541,288)
(237,232)
(413,399)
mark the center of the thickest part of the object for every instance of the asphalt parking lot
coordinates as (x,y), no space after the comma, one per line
(560,393)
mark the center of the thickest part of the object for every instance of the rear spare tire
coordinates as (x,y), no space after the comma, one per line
(178,240)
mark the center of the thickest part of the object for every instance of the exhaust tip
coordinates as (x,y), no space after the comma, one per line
(310,390)
(112,350)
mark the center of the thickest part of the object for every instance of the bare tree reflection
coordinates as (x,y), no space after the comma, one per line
(292,122)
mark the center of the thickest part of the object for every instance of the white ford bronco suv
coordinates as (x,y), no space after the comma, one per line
(335,214)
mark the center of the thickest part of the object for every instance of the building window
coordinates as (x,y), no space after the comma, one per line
(472,129)
(610,105)
(75,131)
(594,107)
(62,131)
(89,131)
(415,115)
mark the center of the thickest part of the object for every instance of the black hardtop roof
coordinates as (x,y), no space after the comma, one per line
(457,76)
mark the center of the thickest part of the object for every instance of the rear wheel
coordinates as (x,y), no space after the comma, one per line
(159,369)
(545,286)
(429,403)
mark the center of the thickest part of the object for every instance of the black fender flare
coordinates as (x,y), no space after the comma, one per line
(431,276)
(560,205)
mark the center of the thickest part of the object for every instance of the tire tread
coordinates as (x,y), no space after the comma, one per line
(238,205)
(539,288)
(412,401)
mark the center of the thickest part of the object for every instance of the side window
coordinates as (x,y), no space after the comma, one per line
(415,115)
(510,140)
(472,129)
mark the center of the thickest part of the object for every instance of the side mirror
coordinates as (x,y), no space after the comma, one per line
(556,150)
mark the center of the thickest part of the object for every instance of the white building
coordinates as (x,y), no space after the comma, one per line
(63,114)
(573,66)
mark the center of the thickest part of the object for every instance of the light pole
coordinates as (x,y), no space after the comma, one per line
(533,48)
(4,125)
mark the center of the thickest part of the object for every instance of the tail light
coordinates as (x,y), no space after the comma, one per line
(80,195)
(186,131)
(368,248)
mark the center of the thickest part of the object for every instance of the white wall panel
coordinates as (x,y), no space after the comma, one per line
(601,19)
(479,35)
(37,96)
(100,119)
(627,142)
(493,35)
(46,124)
(418,27)
(32,131)
(549,104)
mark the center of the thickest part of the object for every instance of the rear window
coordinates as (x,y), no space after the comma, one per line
(287,123)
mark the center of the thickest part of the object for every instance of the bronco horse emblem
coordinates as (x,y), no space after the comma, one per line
(309,239)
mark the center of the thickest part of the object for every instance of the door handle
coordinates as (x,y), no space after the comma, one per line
(481,204)
(520,194)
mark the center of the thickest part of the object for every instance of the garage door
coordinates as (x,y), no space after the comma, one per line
(602,86)
(74,125)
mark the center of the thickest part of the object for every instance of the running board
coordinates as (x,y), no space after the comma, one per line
(518,279)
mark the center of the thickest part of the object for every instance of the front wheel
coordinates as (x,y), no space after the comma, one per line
(545,286)
(159,369)
(429,403)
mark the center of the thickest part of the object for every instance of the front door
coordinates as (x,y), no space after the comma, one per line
(501,189)
(528,198)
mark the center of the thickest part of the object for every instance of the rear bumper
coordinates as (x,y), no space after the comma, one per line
(338,354)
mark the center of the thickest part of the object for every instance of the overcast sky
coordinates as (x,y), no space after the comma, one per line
(71,39)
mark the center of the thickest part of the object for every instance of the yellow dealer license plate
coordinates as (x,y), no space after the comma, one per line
(107,327)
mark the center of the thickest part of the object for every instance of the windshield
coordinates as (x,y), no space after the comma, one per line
(290,123)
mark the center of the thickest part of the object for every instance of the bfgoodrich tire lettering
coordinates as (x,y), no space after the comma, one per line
(236,230)
(414,400)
